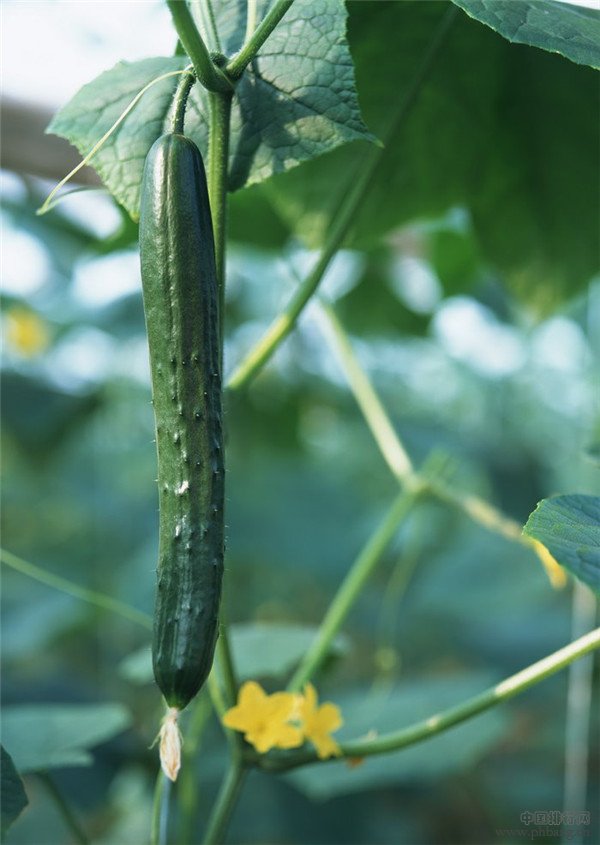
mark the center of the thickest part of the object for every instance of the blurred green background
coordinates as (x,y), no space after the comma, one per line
(470,292)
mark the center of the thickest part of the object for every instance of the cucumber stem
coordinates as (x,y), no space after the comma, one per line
(180,101)
(218,159)
(210,76)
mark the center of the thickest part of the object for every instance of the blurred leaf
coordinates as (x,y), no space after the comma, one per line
(253,220)
(592,453)
(66,241)
(569,527)
(455,259)
(488,141)
(452,750)
(39,415)
(13,799)
(295,102)
(259,651)
(50,736)
(137,666)
(269,650)
(557,27)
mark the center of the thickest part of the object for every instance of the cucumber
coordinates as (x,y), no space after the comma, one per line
(181,309)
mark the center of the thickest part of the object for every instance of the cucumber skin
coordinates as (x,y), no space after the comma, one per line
(180,304)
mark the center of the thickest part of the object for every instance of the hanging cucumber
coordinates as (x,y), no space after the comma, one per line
(180,303)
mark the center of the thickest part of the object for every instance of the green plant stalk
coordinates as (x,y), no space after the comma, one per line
(440,722)
(227,667)
(398,583)
(65,811)
(368,401)
(578,712)
(241,60)
(160,810)
(283,324)
(218,159)
(65,586)
(392,449)
(180,101)
(342,221)
(482,512)
(251,14)
(226,799)
(209,75)
(216,694)
(350,589)
(187,792)
(207,22)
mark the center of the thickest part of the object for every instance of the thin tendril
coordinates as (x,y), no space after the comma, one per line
(97,146)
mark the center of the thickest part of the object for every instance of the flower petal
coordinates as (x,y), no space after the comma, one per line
(325,745)
(251,695)
(310,699)
(237,718)
(329,717)
(287,736)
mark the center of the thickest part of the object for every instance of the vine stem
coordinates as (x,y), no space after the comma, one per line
(440,722)
(210,76)
(188,789)
(227,666)
(226,799)
(180,101)
(160,810)
(368,401)
(342,220)
(207,22)
(65,811)
(70,588)
(241,60)
(350,589)
(218,159)
(397,458)
(579,702)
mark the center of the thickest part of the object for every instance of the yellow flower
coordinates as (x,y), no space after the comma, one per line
(26,333)
(319,722)
(263,718)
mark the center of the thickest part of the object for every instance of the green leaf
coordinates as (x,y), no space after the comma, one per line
(555,26)
(296,101)
(260,650)
(41,416)
(50,736)
(269,650)
(569,527)
(452,750)
(13,799)
(506,134)
(96,106)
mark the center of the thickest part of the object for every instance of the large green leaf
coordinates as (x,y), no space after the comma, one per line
(452,750)
(49,736)
(12,792)
(295,102)
(508,133)
(569,527)
(572,31)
